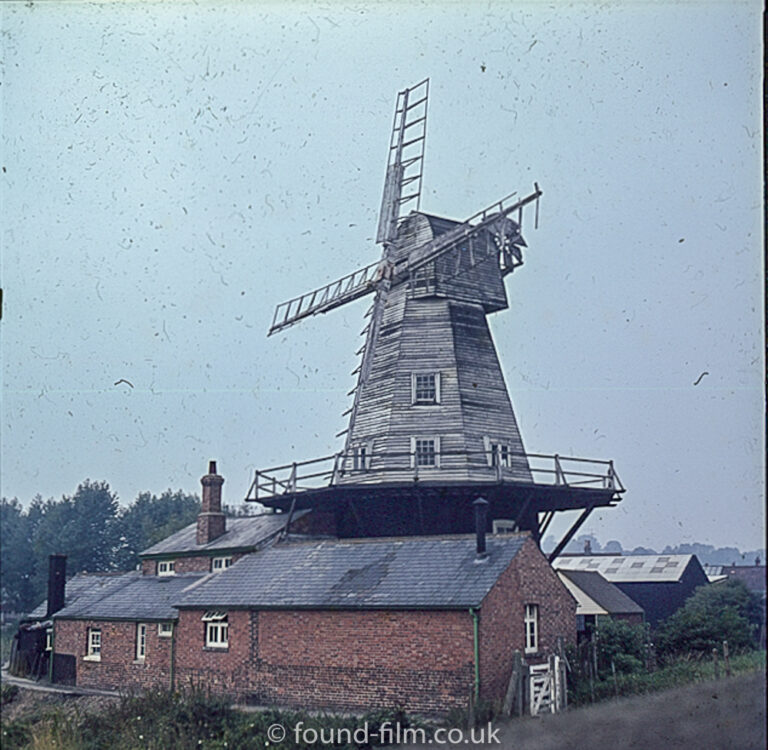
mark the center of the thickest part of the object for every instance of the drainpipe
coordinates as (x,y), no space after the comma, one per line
(475,630)
(173,654)
(52,652)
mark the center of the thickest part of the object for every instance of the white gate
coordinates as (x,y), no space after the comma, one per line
(546,687)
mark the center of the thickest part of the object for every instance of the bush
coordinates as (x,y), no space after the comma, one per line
(8,693)
(189,721)
(620,644)
(717,612)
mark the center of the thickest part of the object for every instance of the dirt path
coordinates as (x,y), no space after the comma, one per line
(728,714)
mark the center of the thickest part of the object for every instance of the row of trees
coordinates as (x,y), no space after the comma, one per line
(90,527)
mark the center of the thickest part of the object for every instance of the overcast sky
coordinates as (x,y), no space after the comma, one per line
(171,171)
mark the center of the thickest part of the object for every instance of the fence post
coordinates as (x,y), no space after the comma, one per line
(726,659)
(615,681)
(514,687)
(524,698)
(716,663)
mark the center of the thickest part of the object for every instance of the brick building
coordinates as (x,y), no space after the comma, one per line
(412,622)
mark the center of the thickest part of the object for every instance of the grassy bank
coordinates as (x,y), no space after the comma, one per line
(194,721)
(683,671)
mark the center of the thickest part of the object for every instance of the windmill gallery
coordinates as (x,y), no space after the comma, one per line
(373,580)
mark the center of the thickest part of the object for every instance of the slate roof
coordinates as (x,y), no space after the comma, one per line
(245,532)
(629,568)
(753,576)
(609,598)
(83,588)
(137,597)
(413,573)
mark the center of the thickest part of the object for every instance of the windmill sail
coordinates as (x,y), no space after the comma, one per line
(337,293)
(405,160)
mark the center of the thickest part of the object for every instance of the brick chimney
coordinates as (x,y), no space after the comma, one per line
(57,581)
(211,522)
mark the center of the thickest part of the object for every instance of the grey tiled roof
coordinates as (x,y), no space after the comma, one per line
(414,573)
(86,587)
(611,598)
(138,598)
(242,532)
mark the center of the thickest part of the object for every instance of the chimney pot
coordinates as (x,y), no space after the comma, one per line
(481,512)
(211,467)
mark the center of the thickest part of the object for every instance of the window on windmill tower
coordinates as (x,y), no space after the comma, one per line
(497,453)
(216,629)
(425,388)
(531,628)
(425,452)
(361,456)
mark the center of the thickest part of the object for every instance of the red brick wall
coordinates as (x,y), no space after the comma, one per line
(118,668)
(528,580)
(185,564)
(347,660)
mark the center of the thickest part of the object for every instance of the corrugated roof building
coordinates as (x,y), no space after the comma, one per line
(660,584)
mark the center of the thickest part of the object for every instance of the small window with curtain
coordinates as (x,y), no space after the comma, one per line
(216,629)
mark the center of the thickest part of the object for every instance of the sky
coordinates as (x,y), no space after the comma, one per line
(172,171)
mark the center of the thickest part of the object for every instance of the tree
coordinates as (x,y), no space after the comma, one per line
(149,519)
(15,557)
(718,612)
(82,527)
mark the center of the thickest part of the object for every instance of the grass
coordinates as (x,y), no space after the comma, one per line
(683,671)
(191,721)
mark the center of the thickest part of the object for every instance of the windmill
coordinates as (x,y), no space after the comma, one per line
(431,424)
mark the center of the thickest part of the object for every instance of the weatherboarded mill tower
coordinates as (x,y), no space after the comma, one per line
(431,427)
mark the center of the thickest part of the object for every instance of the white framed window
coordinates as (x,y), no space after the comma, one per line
(531,628)
(497,453)
(165,629)
(166,568)
(94,644)
(49,639)
(216,629)
(425,452)
(425,388)
(220,563)
(361,456)
(141,641)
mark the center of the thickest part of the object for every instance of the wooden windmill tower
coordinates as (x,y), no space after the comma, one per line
(431,426)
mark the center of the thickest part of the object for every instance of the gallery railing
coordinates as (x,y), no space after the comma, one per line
(345,468)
